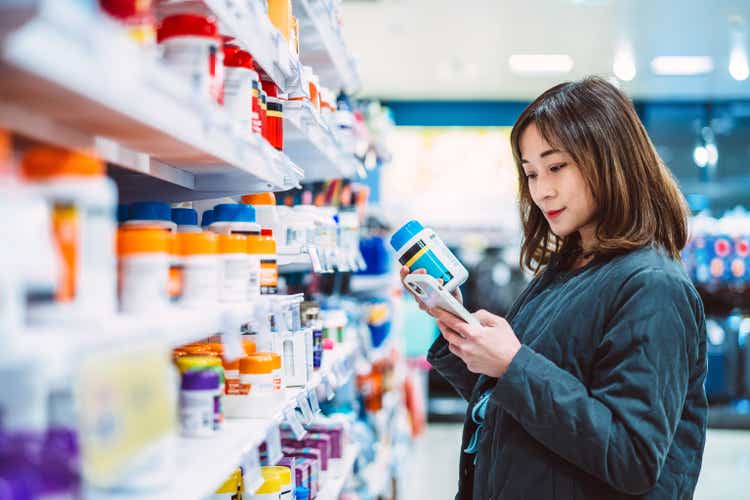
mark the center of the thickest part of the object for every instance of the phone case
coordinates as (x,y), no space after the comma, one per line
(429,291)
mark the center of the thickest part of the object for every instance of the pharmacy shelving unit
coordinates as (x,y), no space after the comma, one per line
(69,76)
(335,484)
(324,47)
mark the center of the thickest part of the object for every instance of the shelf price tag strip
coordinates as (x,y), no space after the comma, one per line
(312,396)
(291,418)
(304,406)
(251,475)
(273,445)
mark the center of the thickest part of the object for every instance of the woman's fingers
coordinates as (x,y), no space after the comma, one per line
(453,322)
(450,335)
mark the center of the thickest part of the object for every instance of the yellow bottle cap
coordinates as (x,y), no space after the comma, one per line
(270,485)
(283,474)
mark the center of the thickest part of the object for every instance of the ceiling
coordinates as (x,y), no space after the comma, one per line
(441,49)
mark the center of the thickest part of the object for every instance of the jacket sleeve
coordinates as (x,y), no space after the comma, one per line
(620,428)
(452,368)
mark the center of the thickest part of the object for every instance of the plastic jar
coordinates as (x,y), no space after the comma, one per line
(257,120)
(136,15)
(197,392)
(207,363)
(230,489)
(150,214)
(284,475)
(301,493)
(186,220)
(275,121)
(278,380)
(143,269)
(257,374)
(280,13)
(191,46)
(265,209)
(206,219)
(200,268)
(270,490)
(234,218)
(234,267)
(83,201)
(264,115)
(269,268)
(238,87)
(232,377)
(418,247)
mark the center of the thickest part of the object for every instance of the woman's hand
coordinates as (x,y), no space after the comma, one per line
(486,349)
(405,272)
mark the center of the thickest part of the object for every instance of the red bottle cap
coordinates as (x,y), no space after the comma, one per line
(187,25)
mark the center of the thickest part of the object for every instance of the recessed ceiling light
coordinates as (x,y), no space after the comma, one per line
(624,65)
(682,65)
(738,66)
(536,64)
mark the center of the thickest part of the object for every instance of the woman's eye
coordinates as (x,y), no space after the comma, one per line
(556,168)
(531,176)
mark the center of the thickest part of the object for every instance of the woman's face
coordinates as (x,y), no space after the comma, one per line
(557,187)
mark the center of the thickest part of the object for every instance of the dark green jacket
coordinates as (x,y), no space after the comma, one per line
(605,399)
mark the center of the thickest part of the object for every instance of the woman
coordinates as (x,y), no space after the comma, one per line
(592,386)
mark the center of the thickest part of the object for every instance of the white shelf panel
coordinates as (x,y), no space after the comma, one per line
(322,46)
(309,142)
(294,263)
(335,484)
(59,85)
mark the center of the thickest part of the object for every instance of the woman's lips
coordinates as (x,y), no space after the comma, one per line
(554,213)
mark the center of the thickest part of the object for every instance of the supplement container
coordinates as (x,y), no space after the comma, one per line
(143,269)
(210,363)
(257,374)
(150,214)
(301,493)
(238,87)
(311,320)
(230,489)
(136,16)
(265,249)
(270,490)
(256,119)
(197,403)
(200,268)
(186,220)
(265,210)
(232,377)
(206,219)
(191,46)
(280,12)
(284,475)
(275,121)
(234,268)
(418,247)
(234,218)
(82,201)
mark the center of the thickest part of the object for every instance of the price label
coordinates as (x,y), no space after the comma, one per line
(273,445)
(304,406)
(312,397)
(291,418)
(330,391)
(251,474)
(317,265)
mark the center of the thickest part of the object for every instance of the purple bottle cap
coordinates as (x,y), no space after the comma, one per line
(200,380)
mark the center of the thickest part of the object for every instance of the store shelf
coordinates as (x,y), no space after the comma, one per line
(294,263)
(322,46)
(253,30)
(309,142)
(203,464)
(335,484)
(378,473)
(59,86)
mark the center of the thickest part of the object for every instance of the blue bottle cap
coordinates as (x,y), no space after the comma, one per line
(122,212)
(184,216)
(234,212)
(150,210)
(301,493)
(207,218)
(405,233)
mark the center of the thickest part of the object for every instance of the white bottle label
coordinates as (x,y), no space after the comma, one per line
(235,269)
(144,281)
(196,58)
(200,281)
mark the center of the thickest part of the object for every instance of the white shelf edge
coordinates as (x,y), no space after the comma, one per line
(334,486)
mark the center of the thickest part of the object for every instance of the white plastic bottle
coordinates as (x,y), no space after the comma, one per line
(186,220)
(239,219)
(83,201)
(144,269)
(418,247)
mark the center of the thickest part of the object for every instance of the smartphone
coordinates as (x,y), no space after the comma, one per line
(432,293)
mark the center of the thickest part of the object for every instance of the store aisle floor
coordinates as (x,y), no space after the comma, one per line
(434,465)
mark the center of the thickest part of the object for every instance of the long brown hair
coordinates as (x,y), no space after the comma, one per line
(638,201)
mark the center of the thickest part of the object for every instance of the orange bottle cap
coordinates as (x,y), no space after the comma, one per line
(257,364)
(260,199)
(197,243)
(276,361)
(135,241)
(233,364)
(249,346)
(257,244)
(232,243)
(46,162)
